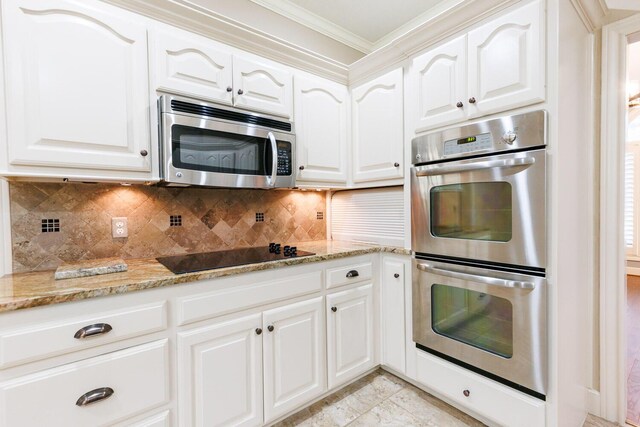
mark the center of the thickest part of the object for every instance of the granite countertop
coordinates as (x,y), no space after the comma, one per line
(24,290)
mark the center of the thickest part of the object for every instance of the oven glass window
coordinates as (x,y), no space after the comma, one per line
(216,151)
(474,318)
(474,211)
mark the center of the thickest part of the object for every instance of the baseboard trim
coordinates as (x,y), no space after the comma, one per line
(633,271)
(593,401)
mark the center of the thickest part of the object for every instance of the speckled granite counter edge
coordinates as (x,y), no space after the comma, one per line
(93,290)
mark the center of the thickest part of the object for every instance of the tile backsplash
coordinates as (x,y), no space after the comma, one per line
(56,223)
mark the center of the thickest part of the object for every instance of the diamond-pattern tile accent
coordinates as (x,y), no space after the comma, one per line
(212,219)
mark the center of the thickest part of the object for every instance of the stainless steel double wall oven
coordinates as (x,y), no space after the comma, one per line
(478,206)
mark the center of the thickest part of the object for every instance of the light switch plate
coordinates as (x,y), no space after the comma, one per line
(119,227)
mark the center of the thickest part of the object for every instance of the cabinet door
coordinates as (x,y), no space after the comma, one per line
(350,341)
(294,356)
(507,61)
(261,87)
(77,86)
(392,313)
(440,79)
(188,64)
(220,374)
(377,128)
(321,130)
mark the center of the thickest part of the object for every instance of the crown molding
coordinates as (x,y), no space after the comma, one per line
(415,22)
(190,17)
(447,23)
(317,23)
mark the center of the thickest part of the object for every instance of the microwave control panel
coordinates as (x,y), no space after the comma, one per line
(468,145)
(284,159)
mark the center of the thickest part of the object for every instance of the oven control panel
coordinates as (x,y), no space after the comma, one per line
(469,144)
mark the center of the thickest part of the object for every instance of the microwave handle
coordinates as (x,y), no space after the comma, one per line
(274,160)
(489,164)
(487,280)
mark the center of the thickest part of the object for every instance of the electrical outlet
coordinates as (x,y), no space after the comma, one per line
(119,227)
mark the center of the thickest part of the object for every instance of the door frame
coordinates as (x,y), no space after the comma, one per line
(613,297)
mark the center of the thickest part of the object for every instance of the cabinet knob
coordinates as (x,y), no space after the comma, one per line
(466,393)
(334,309)
(396,164)
(396,275)
(270,328)
(301,168)
(459,104)
(91,330)
(94,396)
(240,91)
(258,331)
(472,100)
(229,88)
(144,153)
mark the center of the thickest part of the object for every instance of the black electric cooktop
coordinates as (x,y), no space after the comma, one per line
(181,264)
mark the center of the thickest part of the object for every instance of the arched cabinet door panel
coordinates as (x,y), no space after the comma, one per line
(261,87)
(378,128)
(77,87)
(321,112)
(507,61)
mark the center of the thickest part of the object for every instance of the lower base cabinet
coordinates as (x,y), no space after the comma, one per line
(228,369)
(350,334)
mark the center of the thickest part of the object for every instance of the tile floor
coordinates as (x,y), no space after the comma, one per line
(380,399)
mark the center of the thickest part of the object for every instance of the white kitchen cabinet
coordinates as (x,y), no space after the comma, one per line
(191,65)
(321,112)
(76,89)
(494,68)
(377,125)
(440,78)
(350,334)
(294,356)
(220,371)
(507,61)
(262,87)
(392,316)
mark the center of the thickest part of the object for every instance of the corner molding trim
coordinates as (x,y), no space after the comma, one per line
(317,23)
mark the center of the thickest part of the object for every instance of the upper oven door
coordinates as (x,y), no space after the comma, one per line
(211,152)
(490,209)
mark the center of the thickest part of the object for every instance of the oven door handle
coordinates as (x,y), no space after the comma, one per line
(274,161)
(489,164)
(487,280)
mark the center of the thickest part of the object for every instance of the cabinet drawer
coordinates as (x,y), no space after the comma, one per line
(246,295)
(138,377)
(350,274)
(486,398)
(47,339)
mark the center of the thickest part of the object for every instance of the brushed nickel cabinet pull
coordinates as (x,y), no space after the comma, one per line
(91,330)
(94,396)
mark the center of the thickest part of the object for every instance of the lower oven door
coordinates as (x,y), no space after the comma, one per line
(490,321)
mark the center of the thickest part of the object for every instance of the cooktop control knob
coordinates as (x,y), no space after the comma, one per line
(509,137)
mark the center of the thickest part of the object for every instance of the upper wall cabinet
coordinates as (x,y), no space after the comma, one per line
(189,64)
(321,111)
(378,128)
(496,67)
(76,89)
(193,65)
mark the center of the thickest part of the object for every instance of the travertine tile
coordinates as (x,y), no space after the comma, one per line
(387,414)
(370,391)
(213,219)
(593,421)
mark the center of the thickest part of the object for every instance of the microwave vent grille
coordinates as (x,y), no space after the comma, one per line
(203,110)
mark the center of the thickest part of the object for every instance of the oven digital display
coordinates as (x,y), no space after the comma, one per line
(467,140)
(468,144)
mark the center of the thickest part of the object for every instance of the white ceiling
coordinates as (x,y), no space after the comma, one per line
(362,24)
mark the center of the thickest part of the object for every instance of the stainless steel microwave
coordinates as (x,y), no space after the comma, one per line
(219,146)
